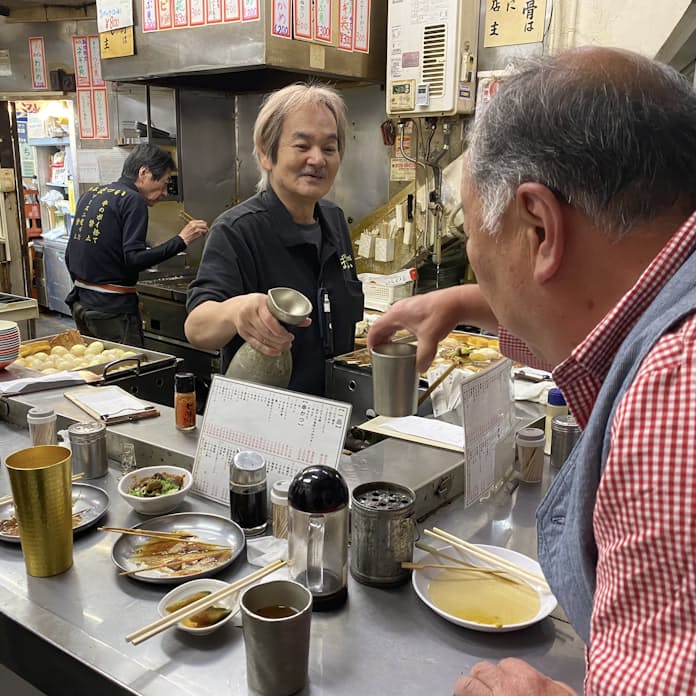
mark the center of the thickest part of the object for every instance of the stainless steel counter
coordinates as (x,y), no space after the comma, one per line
(383,641)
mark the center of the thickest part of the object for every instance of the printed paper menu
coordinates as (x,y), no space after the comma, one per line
(291,430)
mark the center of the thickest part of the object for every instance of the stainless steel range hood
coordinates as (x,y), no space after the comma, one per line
(244,56)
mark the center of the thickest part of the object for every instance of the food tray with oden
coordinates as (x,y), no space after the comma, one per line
(93,358)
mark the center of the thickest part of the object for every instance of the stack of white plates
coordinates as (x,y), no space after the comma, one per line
(9,343)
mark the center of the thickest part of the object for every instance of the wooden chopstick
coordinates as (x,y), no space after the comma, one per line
(491,558)
(146,632)
(436,383)
(173,561)
(502,574)
(165,536)
(185,216)
(8,498)
(171,536)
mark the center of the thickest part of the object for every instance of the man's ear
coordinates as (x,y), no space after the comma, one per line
(144,169)
(265,160)
(543,222)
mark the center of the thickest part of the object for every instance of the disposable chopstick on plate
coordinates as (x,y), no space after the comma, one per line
(184,537)
(8,498)
(465,567)
(146,632)
(491,558)
(458,561)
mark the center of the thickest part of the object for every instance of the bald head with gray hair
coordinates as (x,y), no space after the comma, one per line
(609,132)
(269,122)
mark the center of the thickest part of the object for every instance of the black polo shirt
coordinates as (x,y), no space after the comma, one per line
(257,246)
(108,245)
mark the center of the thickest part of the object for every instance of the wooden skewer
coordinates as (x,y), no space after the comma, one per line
(493,559)
(8,498)
(174,561)
(175,617)
(436,384)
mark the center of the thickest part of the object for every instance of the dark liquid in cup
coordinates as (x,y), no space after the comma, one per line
(248,510)
(276,611)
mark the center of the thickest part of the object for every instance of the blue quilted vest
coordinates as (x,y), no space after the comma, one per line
(565,540)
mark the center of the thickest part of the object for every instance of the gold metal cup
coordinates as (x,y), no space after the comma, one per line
(40,479)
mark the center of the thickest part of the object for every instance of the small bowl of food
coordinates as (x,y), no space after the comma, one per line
(206,620)
(155,490)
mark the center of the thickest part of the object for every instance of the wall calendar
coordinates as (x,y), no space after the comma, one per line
(291,430)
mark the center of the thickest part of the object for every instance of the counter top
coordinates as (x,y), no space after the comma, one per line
(382,641)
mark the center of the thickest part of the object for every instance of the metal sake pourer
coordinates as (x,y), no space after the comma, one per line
(288,306)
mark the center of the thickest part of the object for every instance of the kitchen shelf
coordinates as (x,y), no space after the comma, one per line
(54,142)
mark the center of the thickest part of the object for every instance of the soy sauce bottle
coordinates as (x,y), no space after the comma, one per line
(248,494)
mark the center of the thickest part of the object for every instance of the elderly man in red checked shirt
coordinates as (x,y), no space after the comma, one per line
(578,190)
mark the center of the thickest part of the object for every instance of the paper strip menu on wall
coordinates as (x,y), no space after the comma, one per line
(291,430)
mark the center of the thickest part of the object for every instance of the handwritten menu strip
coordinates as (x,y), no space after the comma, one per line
(488,419)
(291,430)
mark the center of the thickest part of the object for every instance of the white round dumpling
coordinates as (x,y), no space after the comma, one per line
(94,348)
(78,349)
(59,350)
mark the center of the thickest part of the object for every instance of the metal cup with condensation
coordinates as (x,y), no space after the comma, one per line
(276,622)
(40,479)
(394,379)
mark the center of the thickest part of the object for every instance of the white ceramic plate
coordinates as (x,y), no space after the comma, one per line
(89,502)
(421,580)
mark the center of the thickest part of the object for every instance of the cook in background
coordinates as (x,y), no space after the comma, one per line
(107,248)
(284,236)
(579,190)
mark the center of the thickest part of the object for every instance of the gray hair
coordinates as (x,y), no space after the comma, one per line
(613,136)
(269,122)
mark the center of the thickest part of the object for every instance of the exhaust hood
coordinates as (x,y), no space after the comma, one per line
(245,56)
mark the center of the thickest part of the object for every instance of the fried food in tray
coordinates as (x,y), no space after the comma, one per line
(465,350)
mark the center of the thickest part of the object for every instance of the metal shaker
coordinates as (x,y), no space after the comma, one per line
(88,445)
(565,432)
(382,533)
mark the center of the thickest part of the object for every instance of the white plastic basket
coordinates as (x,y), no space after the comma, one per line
(379,296)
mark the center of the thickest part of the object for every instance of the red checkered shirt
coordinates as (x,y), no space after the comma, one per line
(643,631)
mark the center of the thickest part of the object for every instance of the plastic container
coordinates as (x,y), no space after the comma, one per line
(279,508)
(530,454)
(565,432)
(42,426)
(555,406)
(88,445)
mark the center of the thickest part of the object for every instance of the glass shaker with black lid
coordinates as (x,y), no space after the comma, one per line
(318,535)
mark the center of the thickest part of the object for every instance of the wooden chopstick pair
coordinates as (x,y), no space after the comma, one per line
(185,216)
(146,632)
(8,498)
(183,537)
(496,562)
